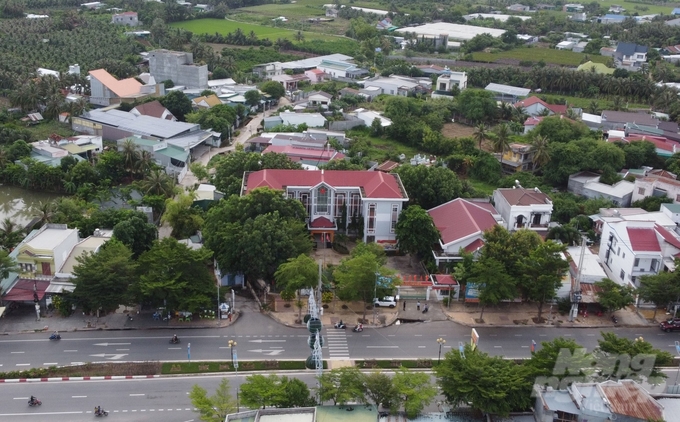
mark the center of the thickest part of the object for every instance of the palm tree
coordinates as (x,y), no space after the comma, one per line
(480,134)
(10,234)
(501,142)
(158,183)
(519,114)
(299,36)
(539,148)
(468,163)
(593,107)
(130,154)
(144,162)
(44,212)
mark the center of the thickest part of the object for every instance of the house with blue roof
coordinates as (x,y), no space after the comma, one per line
(630,56)
(611,18)
(676,11)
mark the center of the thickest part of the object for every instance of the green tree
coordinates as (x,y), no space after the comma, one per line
(158,183)
(644,360)
(477,105)
(297,274)
(543,270)
(659,289)
(573,359)
(183,217)
(493,282)
(370,248)
(253,97)
(416,232)
(214,408)
(259,391)
(102,279)
(177,103)
(10,236)
(379,390)
(172,274)
(413,390)
(293,393)
(136,233)
(229,169)
(273,89)
(7,264)
(342,385)
(652,203)
(488,384)
(613,296)
(429,186)
(480,134)
(341,165)
(356,279)
(219,118)
(200,171)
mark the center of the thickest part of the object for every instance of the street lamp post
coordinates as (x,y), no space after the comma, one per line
(231,344)
(441,342)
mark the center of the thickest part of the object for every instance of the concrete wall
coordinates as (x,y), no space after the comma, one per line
(383,219)
(345,124)
(179,68)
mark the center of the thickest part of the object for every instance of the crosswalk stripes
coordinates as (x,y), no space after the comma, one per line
(337,344)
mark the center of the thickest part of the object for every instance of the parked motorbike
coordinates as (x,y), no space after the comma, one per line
(614,319)
(35,402)
(341,325)
(55,337)
(358,329)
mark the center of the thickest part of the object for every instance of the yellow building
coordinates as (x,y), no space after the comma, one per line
(41,256)
(517,158)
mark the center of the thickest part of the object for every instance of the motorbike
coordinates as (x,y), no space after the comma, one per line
(341,325)
(101,413)
(35,402)
(358,329)
(426,309)
(55,337)
(174,341)
(614,319)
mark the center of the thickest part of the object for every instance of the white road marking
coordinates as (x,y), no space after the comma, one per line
(70,350)
(266,341)
(42,413)
(78,397)
(422,347)
(418,335)
(17,352)
(49,364)
(122,350)
(382,347)
(23,364)
(498,347)
(20,398)
(137,395)
(176,348)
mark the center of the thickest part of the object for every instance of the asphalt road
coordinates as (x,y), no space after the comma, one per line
(260,338)
(159,399)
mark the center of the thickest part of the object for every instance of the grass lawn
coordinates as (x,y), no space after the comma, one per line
(604,104)
(380,148)
(482,188)
(640,8)
(548,55)
(43,130)
(222,26)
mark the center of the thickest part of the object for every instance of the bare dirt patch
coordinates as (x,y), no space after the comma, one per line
(457,130)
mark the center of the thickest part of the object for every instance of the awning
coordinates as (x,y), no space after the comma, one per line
(60,287)
(23,290)
(2,311)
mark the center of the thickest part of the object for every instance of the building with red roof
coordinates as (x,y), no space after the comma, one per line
(534,106)
(633,248)
(461,224)
(333,198)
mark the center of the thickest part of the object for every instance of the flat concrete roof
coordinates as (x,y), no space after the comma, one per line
(49,239)
(453,30)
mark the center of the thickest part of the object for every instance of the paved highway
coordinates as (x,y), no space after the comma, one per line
(259,338)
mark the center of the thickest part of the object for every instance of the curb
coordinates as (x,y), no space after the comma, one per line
(106,377)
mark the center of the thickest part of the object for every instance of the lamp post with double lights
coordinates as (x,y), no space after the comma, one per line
(441,342)
(231,344)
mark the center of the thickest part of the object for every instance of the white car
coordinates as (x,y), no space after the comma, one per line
(388,301)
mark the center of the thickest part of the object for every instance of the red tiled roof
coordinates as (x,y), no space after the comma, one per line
(643,240)
(375,184)
(557,108)
(446,279)
(533,121)
(22,291)
(459,218)
(660,142)
(322,223)
(667,236)
(388,166)
(474,246)
(523,196)
(528,102)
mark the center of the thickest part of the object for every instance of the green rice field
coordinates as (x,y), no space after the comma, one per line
(223,26)
(559,57)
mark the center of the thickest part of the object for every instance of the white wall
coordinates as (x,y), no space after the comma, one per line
(62,251)
(622,258)
(648,187)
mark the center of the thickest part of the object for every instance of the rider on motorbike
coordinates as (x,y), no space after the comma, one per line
(32,400)
(175,339)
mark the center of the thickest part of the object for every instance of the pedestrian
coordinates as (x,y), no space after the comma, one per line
(404,305)
(418,305)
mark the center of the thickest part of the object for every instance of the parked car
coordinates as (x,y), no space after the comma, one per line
(388,301)
(670,326)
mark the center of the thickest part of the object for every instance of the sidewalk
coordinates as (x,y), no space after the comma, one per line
(23,320)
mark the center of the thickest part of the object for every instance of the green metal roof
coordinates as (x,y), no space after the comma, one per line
(174,152)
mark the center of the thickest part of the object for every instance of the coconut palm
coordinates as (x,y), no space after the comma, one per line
(502,139)
(43,211)
(158,183)
(593,107)
(144,163)
(539,147)
(10,234)
(130,153)
(480,134)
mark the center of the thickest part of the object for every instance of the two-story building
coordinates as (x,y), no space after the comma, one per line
(588,184)
(522,208)
(268,70)
(630,249)
(125,18)
(398,85)
(461,224)
(653,185)
(333,199)
(446,81)
(629,55)
(534,106)
(518,157)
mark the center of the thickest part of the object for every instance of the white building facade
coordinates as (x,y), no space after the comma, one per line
(523,208)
